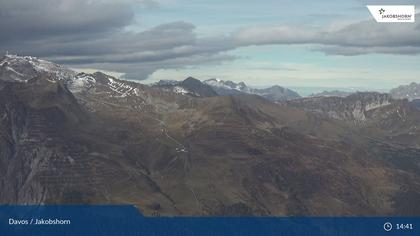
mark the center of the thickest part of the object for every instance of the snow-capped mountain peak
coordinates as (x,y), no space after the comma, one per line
(219,84)
(165,82)
(274,93)
(22,68)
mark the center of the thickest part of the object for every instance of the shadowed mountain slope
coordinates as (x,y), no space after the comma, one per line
(92,138)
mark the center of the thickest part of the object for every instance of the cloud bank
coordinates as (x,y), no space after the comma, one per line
(94,34)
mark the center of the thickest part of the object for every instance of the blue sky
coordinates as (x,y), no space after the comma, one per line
(298,43)
(288,65)
(224,16)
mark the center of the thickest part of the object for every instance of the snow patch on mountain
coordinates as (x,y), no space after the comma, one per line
(180,90)
(218,83)
(15,68)
(190,86)
(121,88)
(81,82)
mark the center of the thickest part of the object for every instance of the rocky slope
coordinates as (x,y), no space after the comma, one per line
(410,92)
(370,114)
(91,138)
(354,108)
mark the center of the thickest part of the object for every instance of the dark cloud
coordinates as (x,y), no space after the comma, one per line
(118,46)
(26,19)
(93,33)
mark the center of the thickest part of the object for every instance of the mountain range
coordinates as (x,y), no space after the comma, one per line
(189,86)
(191,148)
(274,93)
(214,87)
(410,91)
(332,93)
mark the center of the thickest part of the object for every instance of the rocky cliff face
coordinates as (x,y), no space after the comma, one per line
(19,69)
(354,108)
(34,115)
(410,92)
(372,114)
(92,138)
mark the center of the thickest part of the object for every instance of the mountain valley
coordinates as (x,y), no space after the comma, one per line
(190,148)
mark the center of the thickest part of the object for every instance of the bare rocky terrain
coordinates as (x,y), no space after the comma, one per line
(410,91)
(68,138)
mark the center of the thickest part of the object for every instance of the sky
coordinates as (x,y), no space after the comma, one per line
(292,43)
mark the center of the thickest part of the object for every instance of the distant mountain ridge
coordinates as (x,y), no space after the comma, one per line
(410,91)
(332,93)
(215,87)
(275,93)
(189,86)
(353,108)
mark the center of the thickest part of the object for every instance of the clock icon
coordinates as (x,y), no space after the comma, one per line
(387,226)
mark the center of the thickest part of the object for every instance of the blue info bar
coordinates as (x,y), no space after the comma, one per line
(127,220)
